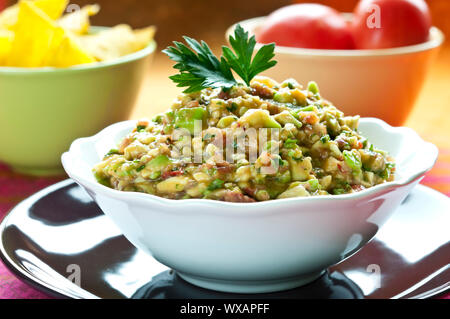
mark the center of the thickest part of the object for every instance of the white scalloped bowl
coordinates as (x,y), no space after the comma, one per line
(254,247)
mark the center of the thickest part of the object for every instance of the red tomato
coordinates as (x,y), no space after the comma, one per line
(391,23)
(311,26)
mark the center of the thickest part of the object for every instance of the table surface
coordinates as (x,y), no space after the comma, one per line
(429,118)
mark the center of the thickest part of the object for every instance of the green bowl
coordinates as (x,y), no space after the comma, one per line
(42,110)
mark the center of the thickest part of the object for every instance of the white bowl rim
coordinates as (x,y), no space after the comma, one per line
(149,49)
(436,39)
(145,198)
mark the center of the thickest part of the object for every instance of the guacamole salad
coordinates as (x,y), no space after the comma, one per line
(243,141)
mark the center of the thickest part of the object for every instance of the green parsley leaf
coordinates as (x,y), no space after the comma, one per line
(200,68)
(241,60)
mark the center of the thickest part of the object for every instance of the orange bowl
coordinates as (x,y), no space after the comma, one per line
(381,83)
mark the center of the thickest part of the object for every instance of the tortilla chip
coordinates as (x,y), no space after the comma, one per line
(57,39)
(115,42)
(53,8)
(78,22)
(144,36)
(38,36)
(34,33)
(6,39)
(68,54)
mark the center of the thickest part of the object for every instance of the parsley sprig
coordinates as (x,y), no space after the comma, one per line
(199,68)
(242,62)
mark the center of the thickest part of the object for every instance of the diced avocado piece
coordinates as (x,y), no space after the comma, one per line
(215,184)
(352,121)
(112,152)
(258,118)
(102,179)
(173,185)
(186,117)
(306,109)
(353,160)
(286,117)
(339,191)
(226,121)
(333,125)
(284,177)
(159,163)
(313,87)
(158,119)
(155,175)
(313,185)
(262,195)
(372,161)
(296,191)
(300,169)
(290,143)
(325,139)
(290,83)
(283,97)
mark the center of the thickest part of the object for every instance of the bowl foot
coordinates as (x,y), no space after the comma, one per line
(251,287)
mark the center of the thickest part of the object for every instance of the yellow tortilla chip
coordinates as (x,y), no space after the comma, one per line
(6,39)
(78,22)
(68,54)
(57,39)
(53,8)
(116,42)
(34,33)
(144,36)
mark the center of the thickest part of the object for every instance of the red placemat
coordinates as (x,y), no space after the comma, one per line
(14,188)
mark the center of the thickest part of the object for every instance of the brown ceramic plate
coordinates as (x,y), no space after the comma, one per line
(59,238)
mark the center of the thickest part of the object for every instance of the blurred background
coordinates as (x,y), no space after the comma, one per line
(208,20)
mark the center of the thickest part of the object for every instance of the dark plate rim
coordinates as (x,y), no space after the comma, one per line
(16,269)
(55,292)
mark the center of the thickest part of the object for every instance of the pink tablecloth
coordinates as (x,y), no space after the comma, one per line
(15,187)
